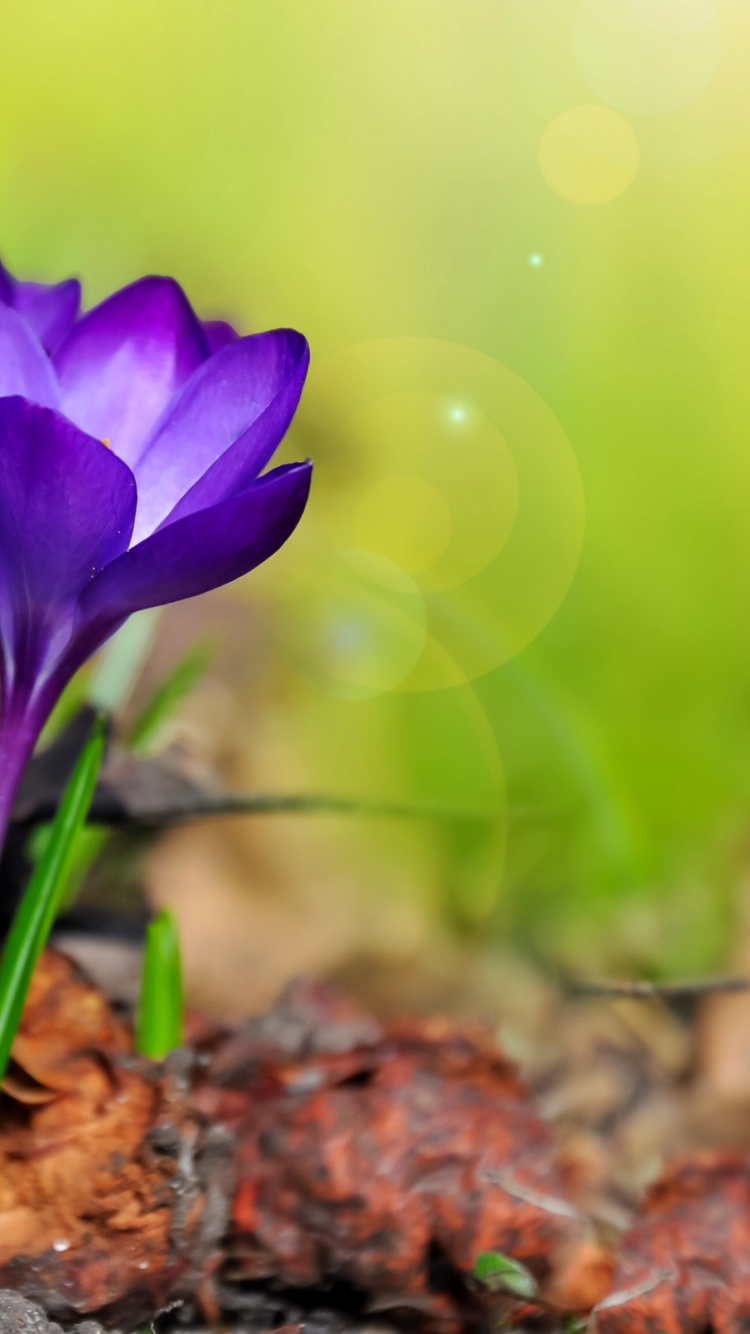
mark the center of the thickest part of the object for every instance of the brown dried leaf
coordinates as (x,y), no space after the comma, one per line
(101,1203)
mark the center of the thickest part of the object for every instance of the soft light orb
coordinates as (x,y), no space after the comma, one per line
(437,494)
(589,155)
(445,465)
(676,15)
(357,623)
(639,66)
(406,519)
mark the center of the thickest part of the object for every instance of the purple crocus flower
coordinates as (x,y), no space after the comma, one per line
(130,476)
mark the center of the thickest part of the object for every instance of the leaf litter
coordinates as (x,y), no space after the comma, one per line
(320,1169)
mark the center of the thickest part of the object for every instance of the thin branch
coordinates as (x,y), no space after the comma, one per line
(198,804)
(550,1204)
(625,1295)
(149,792)
(637,990)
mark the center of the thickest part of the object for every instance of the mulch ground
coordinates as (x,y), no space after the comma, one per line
(317,1169)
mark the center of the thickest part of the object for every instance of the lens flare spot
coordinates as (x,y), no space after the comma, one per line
(446,472)
(589,155)
(357,623)
(438,495)
(403,518)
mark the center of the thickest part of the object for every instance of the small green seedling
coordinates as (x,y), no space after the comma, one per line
(42,898)
(501,1274)
(109,689)
(160,1011)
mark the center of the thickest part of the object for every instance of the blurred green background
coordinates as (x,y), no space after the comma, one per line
(517,235)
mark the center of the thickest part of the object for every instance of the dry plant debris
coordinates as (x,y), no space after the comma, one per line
(106,1177)
(683,1266)
(316,1169)
(19,1316)
(389,1160)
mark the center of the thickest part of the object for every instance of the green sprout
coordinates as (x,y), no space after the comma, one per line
(160,1011)
(500,1273)
(42,898)
(109,690)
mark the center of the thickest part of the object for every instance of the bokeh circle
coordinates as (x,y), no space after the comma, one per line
(680,65)
(640,67)
(676,15)
(356,623)
(589,154)
(445,524)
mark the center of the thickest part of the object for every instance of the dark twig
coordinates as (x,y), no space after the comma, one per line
(145,792)
(197,803)
(151,792)
(668,991)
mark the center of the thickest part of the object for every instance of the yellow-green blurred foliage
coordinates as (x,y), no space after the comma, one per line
(517,235)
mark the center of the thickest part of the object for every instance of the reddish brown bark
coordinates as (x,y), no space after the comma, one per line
(390,1161)
(683,1267)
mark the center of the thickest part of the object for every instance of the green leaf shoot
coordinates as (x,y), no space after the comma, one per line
(160,1011)
(500,1273)
(42,899)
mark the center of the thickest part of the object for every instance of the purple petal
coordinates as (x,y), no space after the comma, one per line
(123,362)
(25,368)
(49,309)
(238,466)
(67,506)
(202,551)
(6,286)
(217,334)
(249,390)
